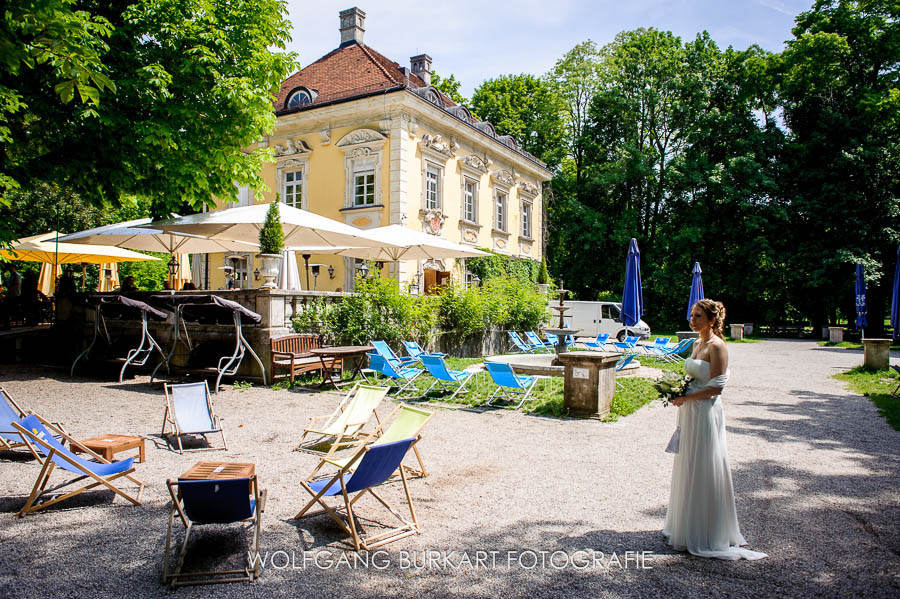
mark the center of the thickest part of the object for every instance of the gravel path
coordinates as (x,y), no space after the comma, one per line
(816,474)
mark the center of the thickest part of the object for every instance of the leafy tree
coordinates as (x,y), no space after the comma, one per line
(449,87)
(157,98)
(527,108)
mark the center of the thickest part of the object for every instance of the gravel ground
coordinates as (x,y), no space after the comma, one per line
(815,470)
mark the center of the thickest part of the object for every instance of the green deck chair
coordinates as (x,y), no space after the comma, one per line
(347,421)
(405,422)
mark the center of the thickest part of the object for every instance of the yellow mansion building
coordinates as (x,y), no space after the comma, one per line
(365,141)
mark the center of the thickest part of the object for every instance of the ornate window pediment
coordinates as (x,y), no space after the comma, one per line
(475,163)
(528,188)
(437,144)
(503,177)
(361,136)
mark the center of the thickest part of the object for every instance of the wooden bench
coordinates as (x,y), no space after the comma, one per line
(292,352)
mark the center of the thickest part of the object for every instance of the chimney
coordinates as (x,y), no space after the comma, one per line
(353,26)
(421,66)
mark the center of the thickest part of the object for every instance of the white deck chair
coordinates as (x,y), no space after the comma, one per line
(189,411)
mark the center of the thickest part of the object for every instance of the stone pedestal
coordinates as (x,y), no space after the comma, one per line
(590,382)
(877,353)
(824,332)
(748,329)
(737,331)
(835,334)
(682,335)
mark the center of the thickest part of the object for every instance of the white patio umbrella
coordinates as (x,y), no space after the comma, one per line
(396,242)
(243,224)
(135,235)
(288,273)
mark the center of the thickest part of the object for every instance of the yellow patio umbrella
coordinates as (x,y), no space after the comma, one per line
(46,280)
(111,283)
(45,248)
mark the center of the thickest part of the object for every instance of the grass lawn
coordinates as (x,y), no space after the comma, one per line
(547,396)
(877,385)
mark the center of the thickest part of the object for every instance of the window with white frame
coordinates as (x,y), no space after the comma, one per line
(470,193)
(292,189)
(432,187)
(364,187)
(526,219)
(500,210)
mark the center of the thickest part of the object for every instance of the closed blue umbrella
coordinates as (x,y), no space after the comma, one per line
(633,295)
(696,288)
(861,308)
(895,303)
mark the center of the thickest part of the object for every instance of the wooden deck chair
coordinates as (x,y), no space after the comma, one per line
(405,422)
(373,465)
(9,438)
(189,411)
(508,382)
(347,421)
(42,437)
(224,501)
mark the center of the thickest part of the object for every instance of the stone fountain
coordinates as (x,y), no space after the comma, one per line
(561,331)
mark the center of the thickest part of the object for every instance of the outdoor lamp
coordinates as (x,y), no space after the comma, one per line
(330,272)
(256,274)
(476,280)
(315,274)
(379,265)
(364,270)
(173,266)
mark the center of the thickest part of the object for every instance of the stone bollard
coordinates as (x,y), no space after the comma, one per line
(835,334)
(877,353)
(737,331)
(682,335)
(590,382)
(824,332)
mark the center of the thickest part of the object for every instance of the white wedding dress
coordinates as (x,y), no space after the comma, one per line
(701,517)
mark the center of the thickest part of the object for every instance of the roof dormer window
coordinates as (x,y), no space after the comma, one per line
(298,98)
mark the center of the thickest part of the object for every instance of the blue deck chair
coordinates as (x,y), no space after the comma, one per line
(553,340)
(371,466)
(673,354)
(449,380)
(624,361)
(415,351)
(42,437)
(509,383)
(528,348)
(385,351)
(896,392)
(404,376)
(537,342)
(189,411)
(11,412)
(628,346)
(599,343)
(223,501)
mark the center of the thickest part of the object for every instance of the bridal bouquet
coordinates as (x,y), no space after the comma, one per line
(671,385)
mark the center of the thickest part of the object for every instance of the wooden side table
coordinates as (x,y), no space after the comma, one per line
(219,471)
(341,352)
(109,445)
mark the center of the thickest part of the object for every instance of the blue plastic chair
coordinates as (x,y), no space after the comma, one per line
(415,350)
(385,351)
(553,340)
(221,501)
(403,375)
(627,346)
(624,361)
(43,437)
(599,343)
(371,466)
(449,380)
(528,348)
(537,342)
(509,383)
(673,354)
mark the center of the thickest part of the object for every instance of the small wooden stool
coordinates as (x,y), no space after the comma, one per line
(109,445)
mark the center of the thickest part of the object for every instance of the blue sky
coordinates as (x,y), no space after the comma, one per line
(479,40)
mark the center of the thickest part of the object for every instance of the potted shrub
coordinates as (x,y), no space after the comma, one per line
(543,278)
(271,244)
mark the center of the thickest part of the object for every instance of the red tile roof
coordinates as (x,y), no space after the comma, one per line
(346,72)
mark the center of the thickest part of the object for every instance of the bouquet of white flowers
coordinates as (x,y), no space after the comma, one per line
(671,385)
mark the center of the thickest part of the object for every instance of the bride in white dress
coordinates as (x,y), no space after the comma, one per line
(701,517)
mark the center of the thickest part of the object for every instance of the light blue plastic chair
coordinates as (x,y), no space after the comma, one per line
(509,383)
(42,436)
(536,341)
(449,380)
(385,351)
(415,350)
(628,346)
(371,466)
(528,348)
(223,501)
(624,361)
(599,343)
(553,340)
(189,411)
(673,354)
(404,376)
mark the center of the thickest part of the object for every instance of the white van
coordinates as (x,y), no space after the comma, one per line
(594,318)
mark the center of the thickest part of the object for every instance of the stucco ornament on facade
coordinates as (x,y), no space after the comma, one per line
(360,136)
(325,135)
(433,221)
(528,188)
(439,144)
(291,146)
(503,176)
(476,163)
